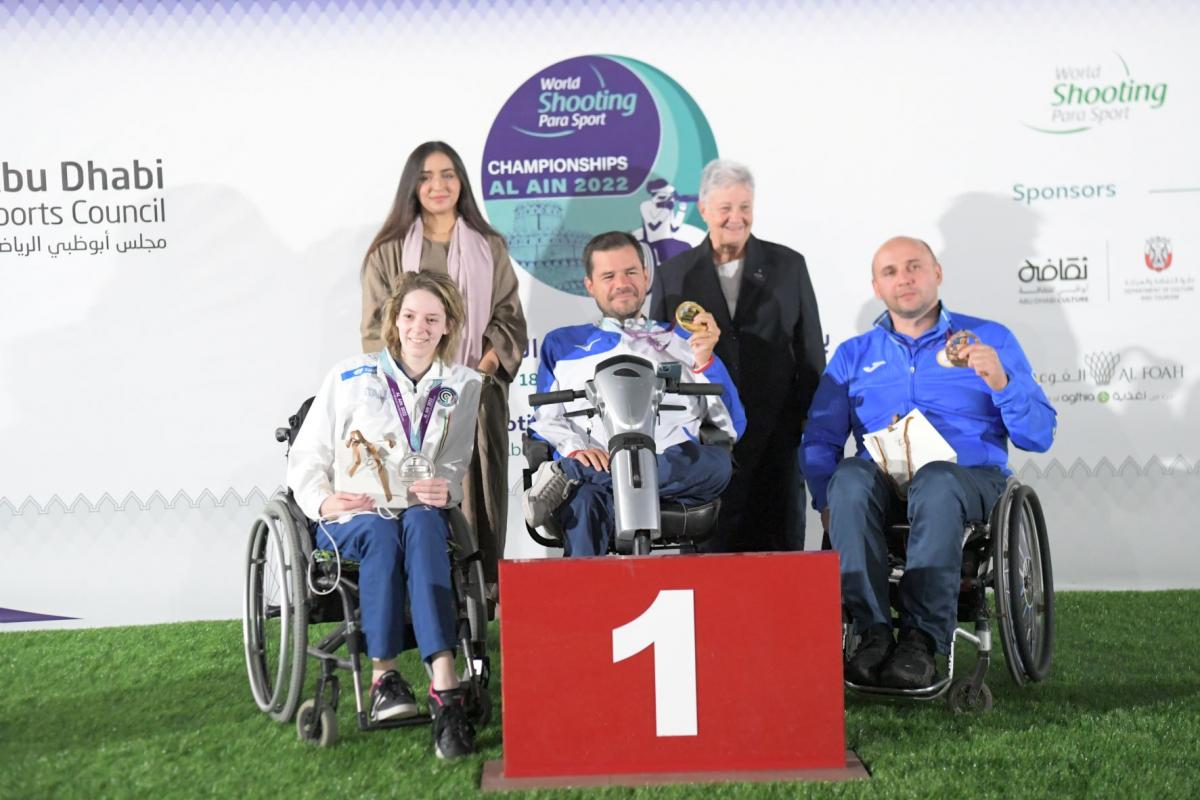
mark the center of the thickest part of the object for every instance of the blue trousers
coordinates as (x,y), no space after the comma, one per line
(398,557)
(942,499)
(688,473)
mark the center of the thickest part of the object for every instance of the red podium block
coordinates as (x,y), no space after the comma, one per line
(679,664)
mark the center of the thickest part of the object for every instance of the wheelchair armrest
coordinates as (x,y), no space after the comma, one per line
(536,451)
(711,434)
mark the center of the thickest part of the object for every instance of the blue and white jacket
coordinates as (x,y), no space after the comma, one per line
(568,360)
(882,373)
(355,395)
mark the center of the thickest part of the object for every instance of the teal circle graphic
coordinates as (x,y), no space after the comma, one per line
(591,144)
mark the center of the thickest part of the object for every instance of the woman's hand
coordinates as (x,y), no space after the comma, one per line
(432,491)
(489,363)
(340,503)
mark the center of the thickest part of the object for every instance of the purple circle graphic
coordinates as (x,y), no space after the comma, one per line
(584,127)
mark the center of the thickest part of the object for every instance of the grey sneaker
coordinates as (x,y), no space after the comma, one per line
(549,491)
(392,698)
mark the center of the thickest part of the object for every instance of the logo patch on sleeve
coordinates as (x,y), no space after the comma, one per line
(447,396)
(365,369)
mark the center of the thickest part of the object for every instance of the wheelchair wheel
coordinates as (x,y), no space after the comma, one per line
(1031,585)
(963,701)
(275,612)
(317,727)
(1023,584)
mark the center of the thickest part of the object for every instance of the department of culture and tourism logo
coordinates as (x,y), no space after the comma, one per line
(593,144)
(1087,95)
(1158,253)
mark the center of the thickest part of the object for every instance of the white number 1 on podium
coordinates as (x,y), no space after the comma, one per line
(670,625)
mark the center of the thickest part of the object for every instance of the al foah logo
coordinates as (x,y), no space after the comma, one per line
(1158,253)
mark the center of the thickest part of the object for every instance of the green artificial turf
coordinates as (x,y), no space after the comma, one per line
(165,711)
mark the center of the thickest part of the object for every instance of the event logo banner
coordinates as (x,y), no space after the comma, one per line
(591,144)
(1086,95)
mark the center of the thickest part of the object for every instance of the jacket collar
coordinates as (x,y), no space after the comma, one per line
(944,325)
(436,371)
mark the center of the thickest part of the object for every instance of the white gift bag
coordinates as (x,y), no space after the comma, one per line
(906,445)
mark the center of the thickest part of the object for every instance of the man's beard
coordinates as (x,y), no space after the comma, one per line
(612,312)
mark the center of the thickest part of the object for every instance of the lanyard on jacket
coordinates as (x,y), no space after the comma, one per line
(415,438)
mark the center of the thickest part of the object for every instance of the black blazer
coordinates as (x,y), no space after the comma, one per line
(773,346)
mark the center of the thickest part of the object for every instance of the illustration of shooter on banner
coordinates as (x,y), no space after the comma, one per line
(591,144)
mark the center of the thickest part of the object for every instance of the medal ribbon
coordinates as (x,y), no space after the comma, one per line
(415,438)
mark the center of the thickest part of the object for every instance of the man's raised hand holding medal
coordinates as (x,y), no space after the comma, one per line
(705,334)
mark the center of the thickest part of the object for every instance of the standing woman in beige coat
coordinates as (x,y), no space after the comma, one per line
(435,225)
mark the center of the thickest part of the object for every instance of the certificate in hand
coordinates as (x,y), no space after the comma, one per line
(906,445)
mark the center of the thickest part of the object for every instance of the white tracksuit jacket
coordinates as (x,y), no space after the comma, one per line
(355,395)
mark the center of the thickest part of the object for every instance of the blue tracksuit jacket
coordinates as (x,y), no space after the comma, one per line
(881,373)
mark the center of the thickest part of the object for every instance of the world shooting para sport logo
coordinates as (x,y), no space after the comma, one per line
(1087,94)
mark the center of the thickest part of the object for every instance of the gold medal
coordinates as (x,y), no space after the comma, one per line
(686,314)
(949,356)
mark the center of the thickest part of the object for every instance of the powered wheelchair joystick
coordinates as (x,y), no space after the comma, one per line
(627,394)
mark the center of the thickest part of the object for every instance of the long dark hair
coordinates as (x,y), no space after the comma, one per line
(407,205)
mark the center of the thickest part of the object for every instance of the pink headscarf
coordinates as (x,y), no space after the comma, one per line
(469,263)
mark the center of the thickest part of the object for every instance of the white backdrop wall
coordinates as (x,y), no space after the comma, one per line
(140,388)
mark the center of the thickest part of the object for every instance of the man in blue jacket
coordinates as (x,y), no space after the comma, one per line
(576,487)
(976,407)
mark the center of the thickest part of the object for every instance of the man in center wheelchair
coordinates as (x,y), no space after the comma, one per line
(574,490)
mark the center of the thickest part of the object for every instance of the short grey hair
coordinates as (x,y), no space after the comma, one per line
(724,172)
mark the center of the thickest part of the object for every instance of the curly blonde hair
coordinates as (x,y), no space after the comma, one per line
(443,288)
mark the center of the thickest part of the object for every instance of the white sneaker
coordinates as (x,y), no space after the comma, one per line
(549,491)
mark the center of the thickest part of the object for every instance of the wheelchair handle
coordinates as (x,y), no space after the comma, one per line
(697,388)
(563,396)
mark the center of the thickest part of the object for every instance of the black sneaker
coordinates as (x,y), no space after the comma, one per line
(453,733)
(876,645)
(392,698)
(911,665)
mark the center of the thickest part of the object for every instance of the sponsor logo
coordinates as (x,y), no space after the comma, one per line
(874,366)
(1118,378)
(1101,365)
(1158,285)
(447,396)
(1053,280)
(1100,92)
(1158,253)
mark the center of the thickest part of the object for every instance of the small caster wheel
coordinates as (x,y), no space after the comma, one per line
(317,727)
(963,701)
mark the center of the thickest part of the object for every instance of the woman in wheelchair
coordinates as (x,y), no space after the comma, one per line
(380,457)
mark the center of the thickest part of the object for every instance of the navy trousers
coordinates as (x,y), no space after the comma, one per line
(688,473)
(398,557)
(942,499)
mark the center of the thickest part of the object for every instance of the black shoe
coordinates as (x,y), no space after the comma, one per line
(873,650)
(911,665)
(392,698)
(453,733)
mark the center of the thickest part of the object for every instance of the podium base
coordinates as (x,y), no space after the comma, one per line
(494,779)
